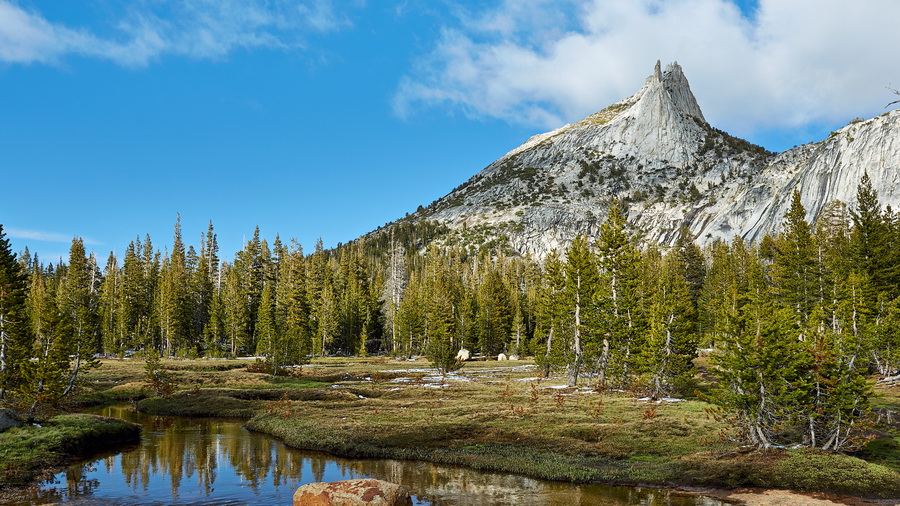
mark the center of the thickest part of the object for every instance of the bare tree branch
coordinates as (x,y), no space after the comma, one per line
(896,92)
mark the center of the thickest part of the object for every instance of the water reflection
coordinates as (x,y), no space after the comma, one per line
(211,461)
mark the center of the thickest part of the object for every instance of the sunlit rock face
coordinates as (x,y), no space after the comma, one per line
(352,492)
(655,153)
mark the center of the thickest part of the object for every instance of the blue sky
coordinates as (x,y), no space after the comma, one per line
(327,118)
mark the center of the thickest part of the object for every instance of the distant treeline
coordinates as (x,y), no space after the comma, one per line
(792,325)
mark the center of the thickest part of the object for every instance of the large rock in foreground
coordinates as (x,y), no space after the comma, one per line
(352,493)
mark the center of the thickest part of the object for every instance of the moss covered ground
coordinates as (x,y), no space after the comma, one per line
(499,416)
(27,453)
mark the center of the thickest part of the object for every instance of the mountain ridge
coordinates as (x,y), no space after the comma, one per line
(655,153)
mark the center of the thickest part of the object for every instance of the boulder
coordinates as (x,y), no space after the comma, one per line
(502,356)
(8,419)
(514,357)
(352,493)
(463,354)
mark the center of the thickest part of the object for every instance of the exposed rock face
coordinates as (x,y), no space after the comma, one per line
(352,493)
(8,419)
(655,153)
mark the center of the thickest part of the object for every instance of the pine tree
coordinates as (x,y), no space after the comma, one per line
(137,286)
(837,400)
(523,277)
(327,320)
(672,338)
(874,258)
(324,322)
(14,334)
(77,300)
(796,272)
(833,256)
(411,318)
(618,317)
(494,314)
(203,270)
(441,324)
(760,361)
(553,335)
(254,264)
(215,334)
(268,334)
(112,326)
(581,287)
(691,264)
(44,379)
(209,313)
(713,305)
(870,241)
(236,311)
(292,302)
(175,309)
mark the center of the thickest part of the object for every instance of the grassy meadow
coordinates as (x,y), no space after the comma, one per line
(497,416)
(30,452)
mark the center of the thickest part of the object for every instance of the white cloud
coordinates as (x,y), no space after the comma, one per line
(27,37)
(149,29)
(792,64)
(38,235)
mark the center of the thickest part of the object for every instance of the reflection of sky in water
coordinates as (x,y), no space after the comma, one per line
(203,461)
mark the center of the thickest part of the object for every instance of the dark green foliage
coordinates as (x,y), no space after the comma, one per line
(553,334)
(78,301)
(581,286)
(618,320)
(14,331)
(872,242)
(442,339)
(43,381)
(157,379)
(690,264)
(672,332)
(791,359)
(494,314)
(723,144)
(793,326)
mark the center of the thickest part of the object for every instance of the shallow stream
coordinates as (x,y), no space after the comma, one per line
(193,461)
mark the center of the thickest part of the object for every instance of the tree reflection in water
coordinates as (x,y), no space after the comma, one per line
(212,461)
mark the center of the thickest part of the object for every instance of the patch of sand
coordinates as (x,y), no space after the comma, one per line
(786,497)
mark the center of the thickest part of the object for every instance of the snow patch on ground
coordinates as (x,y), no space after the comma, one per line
(664,399)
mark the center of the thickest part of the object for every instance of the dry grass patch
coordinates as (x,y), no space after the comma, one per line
(488,415)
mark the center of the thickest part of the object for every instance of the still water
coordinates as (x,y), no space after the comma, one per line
(213,461)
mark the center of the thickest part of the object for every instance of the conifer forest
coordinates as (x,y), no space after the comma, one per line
(792,325)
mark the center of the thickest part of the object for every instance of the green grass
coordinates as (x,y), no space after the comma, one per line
(502,419)
(27,452)
(809,470)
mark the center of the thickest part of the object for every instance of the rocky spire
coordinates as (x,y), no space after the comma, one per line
(654,152)
(659,121)
(678,88)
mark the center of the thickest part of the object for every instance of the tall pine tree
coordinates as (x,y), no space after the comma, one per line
(14,334)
